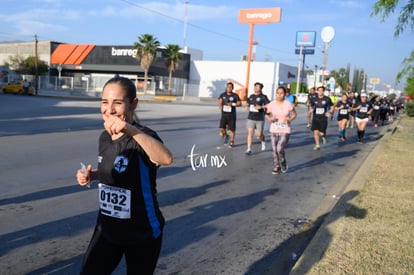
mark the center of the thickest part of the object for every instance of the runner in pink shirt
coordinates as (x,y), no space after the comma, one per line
(280,113)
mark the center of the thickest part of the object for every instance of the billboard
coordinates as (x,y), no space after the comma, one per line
(260,16)
(305,38)
(374,80)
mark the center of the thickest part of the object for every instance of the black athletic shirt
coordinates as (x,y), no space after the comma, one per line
(259,100)
(363,111)
(344,112)
(123,163)
(311,97)
(320,107)
(226,98)
(376,105)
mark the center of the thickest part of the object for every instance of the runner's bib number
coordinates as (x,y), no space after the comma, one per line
(280,125)
(364,110)
(343,111)
(226,109)
(115,201)
(376,107)
(320,111)
(253,109)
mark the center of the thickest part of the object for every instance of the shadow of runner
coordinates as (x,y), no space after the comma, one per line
(283,258)
(66,267)
(195,225)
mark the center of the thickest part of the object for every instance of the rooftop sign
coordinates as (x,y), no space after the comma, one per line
(260,16)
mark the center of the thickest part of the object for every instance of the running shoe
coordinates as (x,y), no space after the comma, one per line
(248,152)
(308,126)
(226,139)
(359,141)
(323,140)
(284,168)
(317,147)
(263,145)
(275,171)
(231,144)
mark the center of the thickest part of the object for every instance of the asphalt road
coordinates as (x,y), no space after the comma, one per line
(232,217)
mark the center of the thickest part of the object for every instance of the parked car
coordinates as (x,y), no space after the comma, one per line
(16,87)
(302,98)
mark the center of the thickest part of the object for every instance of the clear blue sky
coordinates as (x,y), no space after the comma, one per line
(212,26)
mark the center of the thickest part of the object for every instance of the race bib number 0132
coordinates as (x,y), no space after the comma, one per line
(115,201)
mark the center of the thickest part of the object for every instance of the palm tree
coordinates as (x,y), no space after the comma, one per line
(172,57)
(146,46)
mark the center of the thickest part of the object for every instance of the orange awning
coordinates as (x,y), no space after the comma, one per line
(70,54)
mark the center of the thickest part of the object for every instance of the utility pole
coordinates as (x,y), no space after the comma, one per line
(185,26)
(36,66)
(314,74)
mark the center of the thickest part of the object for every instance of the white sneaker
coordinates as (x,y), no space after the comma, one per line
(248,152)
(263,145)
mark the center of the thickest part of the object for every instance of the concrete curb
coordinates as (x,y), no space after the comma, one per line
(351,186)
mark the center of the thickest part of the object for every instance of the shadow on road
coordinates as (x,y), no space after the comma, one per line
(283,258)
(195,226)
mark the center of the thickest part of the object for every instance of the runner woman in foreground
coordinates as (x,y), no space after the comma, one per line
(129,222)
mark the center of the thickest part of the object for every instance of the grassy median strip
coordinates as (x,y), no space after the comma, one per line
(376,235)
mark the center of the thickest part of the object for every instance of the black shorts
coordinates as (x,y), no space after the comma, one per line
(228,119)
(341,117)
(319,124)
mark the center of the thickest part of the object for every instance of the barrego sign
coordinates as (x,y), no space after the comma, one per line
(260,16)
(124,52)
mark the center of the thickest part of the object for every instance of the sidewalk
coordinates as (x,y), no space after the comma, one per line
(141,96)
(369,231)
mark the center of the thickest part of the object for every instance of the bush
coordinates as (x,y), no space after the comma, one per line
(409,108)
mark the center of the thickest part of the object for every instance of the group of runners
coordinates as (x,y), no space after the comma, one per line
(350,110)
(279,112)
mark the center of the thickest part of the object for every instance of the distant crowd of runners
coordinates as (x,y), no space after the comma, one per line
(350,110)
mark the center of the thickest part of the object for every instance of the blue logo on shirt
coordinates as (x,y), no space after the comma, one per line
(120,164)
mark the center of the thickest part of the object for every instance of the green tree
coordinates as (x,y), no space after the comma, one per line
(42,66)
(409,89)
(383,9)
(26,65)
(146,46)
(172,57)
(341,77)
(358,81)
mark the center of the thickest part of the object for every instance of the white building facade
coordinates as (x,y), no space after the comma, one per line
(208,78)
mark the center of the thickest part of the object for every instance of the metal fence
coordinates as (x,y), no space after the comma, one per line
(94,84)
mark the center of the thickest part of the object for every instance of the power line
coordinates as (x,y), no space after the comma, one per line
(199,27)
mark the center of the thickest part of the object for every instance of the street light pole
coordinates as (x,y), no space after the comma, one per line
(314,76)
(59,68)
